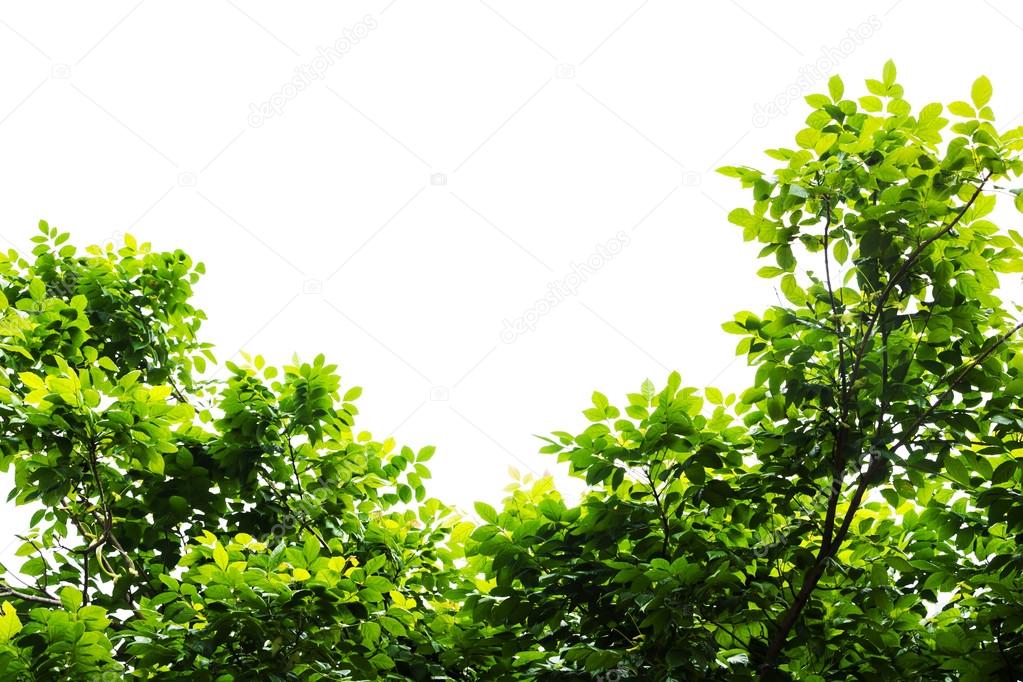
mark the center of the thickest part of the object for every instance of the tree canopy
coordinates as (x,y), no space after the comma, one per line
(854,514)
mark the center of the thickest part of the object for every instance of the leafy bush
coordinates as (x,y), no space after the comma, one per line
(854,514)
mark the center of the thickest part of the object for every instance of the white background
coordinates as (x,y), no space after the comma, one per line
(444,171)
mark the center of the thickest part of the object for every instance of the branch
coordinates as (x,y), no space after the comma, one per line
(903,271)
(813,577)
(302,522)
(8,591)
(909,433)
(838,443)
(838,468)
(107,521)
(831,297)
(817,570)
(662,513)
(85,580)
(294,464)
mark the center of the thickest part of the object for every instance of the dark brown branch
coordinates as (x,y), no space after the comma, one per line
(810,581)
(831,296)
(837,471)
(817,570)
(662,513)
(839,437)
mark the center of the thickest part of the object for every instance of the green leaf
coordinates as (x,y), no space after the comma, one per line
(393,626)
(792,291)
(741,217)
(825,142)
(871,103)
(835,87)
(70,598)
(807,138)
(36,289)
(32,380)
(370,633)
(382,661)
(980,93)
(888,173)
(486,512)
(375,563)
(888,73)
(695,472)
(753,395)
(957,470)
(899,107)
(841,251)
(817,101)
(930,112)
(220,557)
(785,259)
(1004,472)
(10,625)
(155,462)
(962,109)
(899,564)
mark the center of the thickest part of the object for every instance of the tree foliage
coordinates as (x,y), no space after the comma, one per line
(853,514)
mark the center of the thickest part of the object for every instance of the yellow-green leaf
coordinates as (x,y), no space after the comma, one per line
(836,87)
(841,251)
(220,556)
(37,290)
(70,598)
(33,381)
(792,291)
(888,73)
(980,93)
(158,393)
(10,625)
(155,463)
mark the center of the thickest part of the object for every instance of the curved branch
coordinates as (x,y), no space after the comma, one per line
(903,271)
